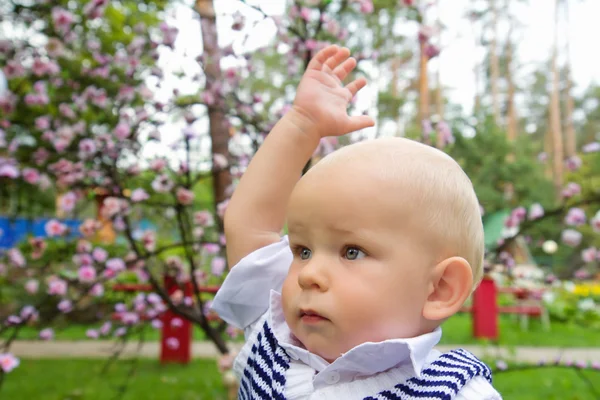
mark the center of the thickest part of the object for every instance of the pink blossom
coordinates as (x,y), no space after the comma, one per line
(425,33)
(589,255)
(573,163)
(130,318)
(87,148)
(158,164)
(62,19)
(185,196)
(305,13)
(501,365)
(65,306)
(572,189)
(87,274)
(89,227)
(207,98)
(571,237)
(222,207)
(575,217)
(120,308)
(139,195)
(16,257)
(149,240)
(113,206)
(14,69)
(99,254)
(120,332)
(431,51)
(157,324)
(200,276)
(172,343)
(83,246)
(57,287)
(536,211)
(32,286)
(591,147)
(8,362)
(42,123)
(595,222)
(92,334)
(97,290)
(366,6)
(204,218)
(105,328)
(115,265)
(220,161)
(29,314)
(176,323)
(68,201)
(218,266)
(581,274)
(66,111)
(198,232)
(47,334)
(8,171)
(13,320)
(31,175)
(122,131)
(162,184)
(211,248)
(55,228)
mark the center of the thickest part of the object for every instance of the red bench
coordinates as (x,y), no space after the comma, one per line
(485,310)
(176,338)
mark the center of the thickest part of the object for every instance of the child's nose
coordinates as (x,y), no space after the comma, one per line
(313,275)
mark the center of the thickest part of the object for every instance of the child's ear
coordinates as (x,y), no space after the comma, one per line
(450,285)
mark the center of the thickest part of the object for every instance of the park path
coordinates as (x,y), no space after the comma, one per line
(98,349)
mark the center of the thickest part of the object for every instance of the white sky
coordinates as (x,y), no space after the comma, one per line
(459,53)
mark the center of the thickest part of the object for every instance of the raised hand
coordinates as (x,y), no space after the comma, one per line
(322,99)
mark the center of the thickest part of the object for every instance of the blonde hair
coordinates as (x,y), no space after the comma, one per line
(437,184)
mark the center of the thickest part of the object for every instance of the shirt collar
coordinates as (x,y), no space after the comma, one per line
(363,360)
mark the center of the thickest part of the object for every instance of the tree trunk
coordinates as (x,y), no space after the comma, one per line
(555,122)
(219,133)
(570,139)
(512,123)
(494,64)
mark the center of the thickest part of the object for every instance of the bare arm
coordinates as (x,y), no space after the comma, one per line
(256,213)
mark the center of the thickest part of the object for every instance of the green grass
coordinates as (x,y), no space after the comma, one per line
(82,380)
(457,330)
(548,384)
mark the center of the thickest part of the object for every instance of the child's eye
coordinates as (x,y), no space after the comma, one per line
(353,253)
(303,252)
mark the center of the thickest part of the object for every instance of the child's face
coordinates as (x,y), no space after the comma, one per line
(361,268)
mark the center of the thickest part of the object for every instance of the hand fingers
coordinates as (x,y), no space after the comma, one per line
(358,123)
(342,71)
(337,58)
(356,85)
(322,56)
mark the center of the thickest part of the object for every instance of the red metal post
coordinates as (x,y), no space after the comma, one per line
(485,310)
(176,340)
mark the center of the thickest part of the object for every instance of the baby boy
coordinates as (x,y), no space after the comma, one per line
(385,242)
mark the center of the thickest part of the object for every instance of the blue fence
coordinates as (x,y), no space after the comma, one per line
(14,230)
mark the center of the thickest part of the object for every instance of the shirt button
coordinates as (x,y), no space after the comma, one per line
(332,378)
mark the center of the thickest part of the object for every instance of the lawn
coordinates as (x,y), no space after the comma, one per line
(457,331)
(82,380)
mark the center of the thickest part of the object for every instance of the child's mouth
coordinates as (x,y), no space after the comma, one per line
(311,317)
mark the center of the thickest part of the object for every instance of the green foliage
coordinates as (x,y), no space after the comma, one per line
(486,159)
